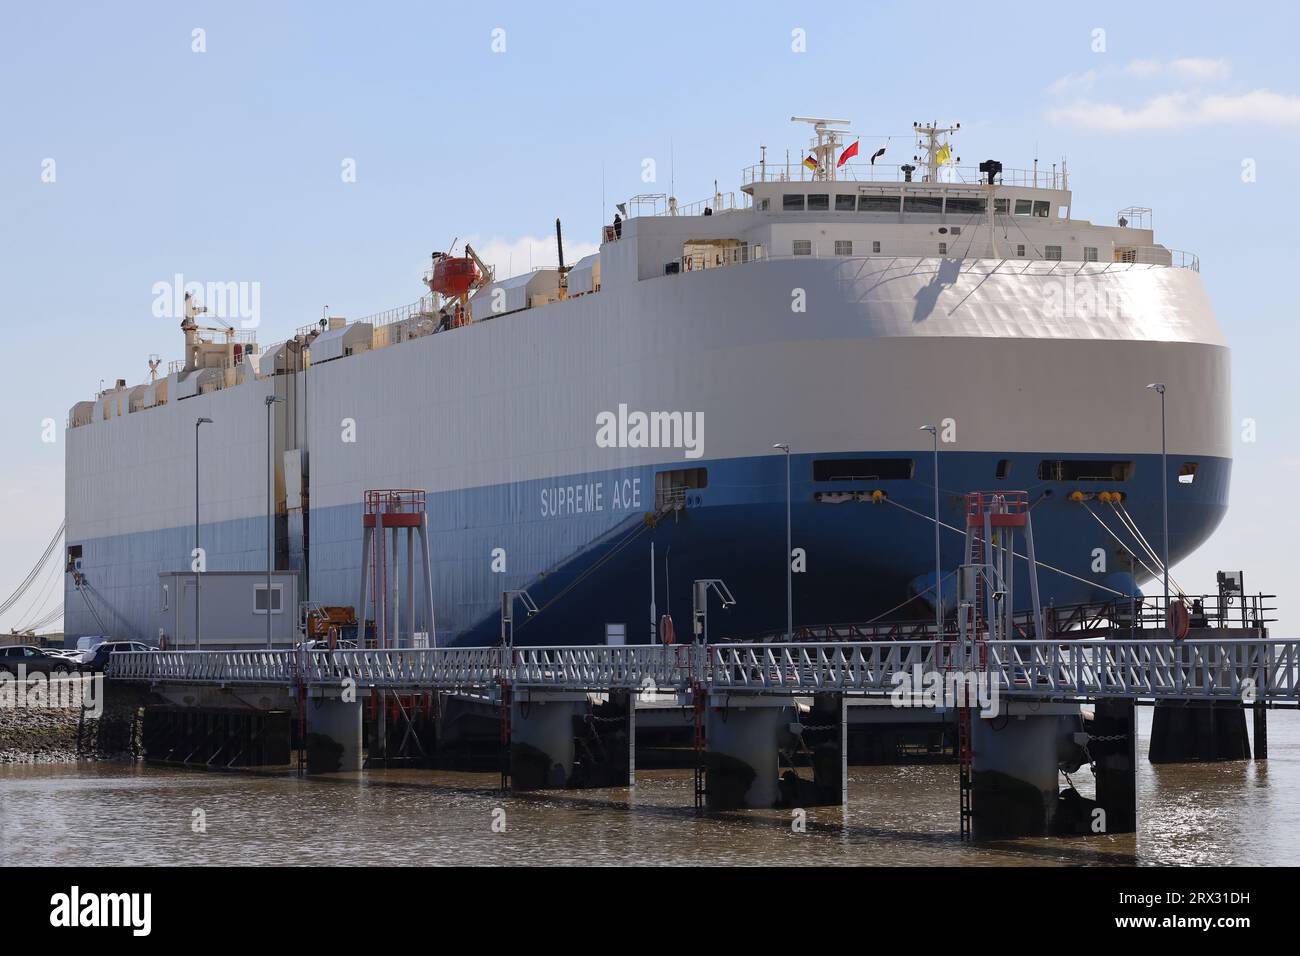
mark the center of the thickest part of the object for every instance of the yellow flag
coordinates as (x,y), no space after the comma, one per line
(944,154)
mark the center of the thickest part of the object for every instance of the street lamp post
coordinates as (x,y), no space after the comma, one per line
(938,565)
(508,613)
(198,563)
(270,516)
(789,569)
(1164,492)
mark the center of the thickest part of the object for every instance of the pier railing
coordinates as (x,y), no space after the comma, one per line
(1232,669)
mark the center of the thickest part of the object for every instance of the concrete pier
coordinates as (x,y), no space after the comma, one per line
(542,750)
(742,735)
(1015,772)
(333,740)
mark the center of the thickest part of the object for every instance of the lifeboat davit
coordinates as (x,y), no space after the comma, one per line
(453,276)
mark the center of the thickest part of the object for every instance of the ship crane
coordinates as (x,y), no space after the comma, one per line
(194,345)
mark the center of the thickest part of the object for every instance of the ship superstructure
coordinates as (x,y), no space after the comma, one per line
(568,423)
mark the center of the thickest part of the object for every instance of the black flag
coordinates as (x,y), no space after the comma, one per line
(877,154)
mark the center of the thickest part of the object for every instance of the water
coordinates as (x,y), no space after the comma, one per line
(93,814)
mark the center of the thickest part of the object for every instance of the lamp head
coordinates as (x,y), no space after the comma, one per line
(202,421)
(783,446)
(1158,386)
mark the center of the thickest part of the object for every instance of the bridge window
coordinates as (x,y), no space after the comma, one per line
(259,599)
(1056,469)
(792,202)
(845,202)
(1001,207)
(943,248)
(1024,207)
(1020,249)
(1089,253)
(844,247)
(965,207)
(1053,253)
(923,204)
(861,469)
(877,204)
(803,247)
(1042,208)
(819,202)
(875,245)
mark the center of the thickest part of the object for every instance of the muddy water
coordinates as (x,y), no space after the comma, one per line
(93,814)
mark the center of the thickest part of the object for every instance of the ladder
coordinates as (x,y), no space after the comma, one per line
(698,702)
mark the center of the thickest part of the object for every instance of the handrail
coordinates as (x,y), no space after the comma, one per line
(825,249)
(855,173)
(1240,669)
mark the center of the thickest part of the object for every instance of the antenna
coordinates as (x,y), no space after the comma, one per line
(154,361)
(933,141)
(559,249)
(825,144)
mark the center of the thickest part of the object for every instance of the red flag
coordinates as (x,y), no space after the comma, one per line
(847,154)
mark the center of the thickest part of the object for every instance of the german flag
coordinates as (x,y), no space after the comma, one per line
(811,163)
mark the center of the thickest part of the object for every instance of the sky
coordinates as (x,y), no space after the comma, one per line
(319,152)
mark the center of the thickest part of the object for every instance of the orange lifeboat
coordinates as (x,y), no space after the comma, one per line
(454,276)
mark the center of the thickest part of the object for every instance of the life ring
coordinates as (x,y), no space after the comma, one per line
(666,633)
(1177,620)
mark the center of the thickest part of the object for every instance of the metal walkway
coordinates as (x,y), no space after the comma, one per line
(1240,670)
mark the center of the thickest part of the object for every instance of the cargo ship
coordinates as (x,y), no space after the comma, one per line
(604,434)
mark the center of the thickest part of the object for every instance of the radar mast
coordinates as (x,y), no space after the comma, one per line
(825,144)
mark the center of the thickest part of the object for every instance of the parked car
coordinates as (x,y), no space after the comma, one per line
(36,660)
(323,645)
(67,653)
(97,659)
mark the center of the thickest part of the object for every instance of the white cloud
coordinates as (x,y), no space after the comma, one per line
(1201,69)
(1175,111)
(512,257)
(1143,68)
(1074,81)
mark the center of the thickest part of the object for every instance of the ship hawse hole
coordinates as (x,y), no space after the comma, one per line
(1004,468)
(1187,473)
(859,469)
(1056,469)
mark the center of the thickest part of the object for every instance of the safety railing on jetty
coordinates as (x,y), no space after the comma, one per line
(1245,612)
(1233,669)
